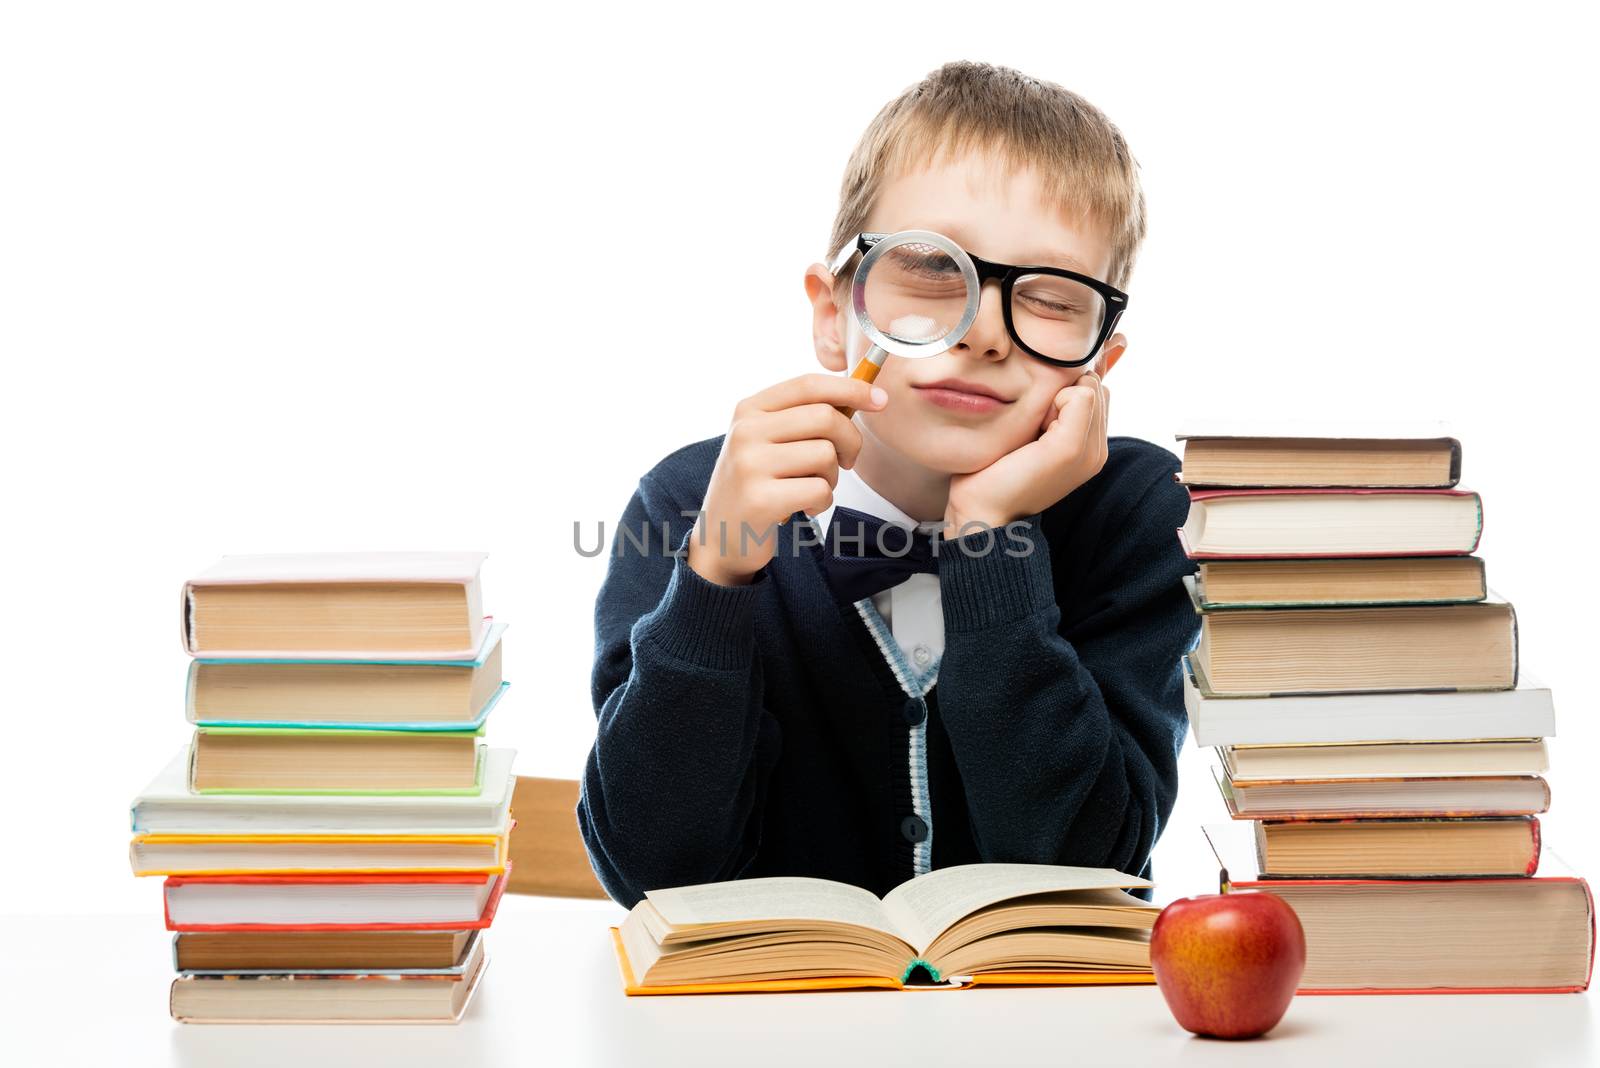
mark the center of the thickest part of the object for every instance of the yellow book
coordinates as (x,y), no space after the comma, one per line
(971,925)
(284,854)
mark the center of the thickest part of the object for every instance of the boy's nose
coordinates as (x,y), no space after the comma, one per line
(987,338)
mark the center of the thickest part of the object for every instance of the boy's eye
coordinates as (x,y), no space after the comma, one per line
(1055,307)
(930,263)
(1056,297)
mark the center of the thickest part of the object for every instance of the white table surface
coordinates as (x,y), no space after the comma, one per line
(93,990)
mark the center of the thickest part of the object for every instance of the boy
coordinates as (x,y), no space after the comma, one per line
(1009,690)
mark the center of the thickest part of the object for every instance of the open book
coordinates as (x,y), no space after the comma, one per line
(971,924)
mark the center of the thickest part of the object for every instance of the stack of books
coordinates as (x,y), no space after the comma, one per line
(1359,680)
(334,835)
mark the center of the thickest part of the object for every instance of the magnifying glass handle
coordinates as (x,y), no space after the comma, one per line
(867,370)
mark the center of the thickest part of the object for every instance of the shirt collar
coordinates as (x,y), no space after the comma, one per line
(852,492)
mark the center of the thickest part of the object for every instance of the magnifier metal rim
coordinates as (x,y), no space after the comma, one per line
(894,346)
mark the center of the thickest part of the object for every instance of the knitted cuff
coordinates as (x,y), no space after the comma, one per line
(704,622)
(995,576)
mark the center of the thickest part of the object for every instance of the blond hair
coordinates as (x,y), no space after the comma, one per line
(1082,159)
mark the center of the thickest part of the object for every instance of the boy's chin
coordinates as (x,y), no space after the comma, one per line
(955,453)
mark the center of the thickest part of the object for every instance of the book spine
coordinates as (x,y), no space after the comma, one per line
(1535,843)
(188,692)
(1516,658)
(1588,897)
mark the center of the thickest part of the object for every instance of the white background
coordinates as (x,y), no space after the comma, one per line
(334,276)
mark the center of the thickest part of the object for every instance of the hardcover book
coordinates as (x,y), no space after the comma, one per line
(412,694)
(1262,651)
(1278,523)
(1370,580)
(1396,848)
(294,952)
(366,996)
(167,806)
(336,605)
(1306,453)
(968,925)
(297,854)
(320,760)
(1288,718)
(404,901)
(1360,760)
(1306,799)
(1430,936)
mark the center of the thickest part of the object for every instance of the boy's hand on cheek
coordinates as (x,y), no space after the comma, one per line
(781,455)
(1070,451)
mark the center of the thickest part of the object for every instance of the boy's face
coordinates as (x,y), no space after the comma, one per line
(999,215)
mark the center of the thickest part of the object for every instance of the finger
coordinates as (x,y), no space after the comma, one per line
(1072,426)
(786,496)
(1096,427)
(819,388)
(1095,432)
(1079,391)
(1105,412)
(817,420)
(800,459)
(1053,409)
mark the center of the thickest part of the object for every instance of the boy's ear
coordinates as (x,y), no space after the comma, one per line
(1110,353)
(827,332)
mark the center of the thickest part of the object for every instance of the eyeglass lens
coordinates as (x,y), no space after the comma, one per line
(1058,317)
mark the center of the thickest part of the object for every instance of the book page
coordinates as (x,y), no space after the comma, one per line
(771,899)
(923,907)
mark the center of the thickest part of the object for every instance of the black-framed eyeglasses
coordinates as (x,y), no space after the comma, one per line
(1053,314)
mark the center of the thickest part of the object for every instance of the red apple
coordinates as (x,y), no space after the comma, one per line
(1228,964)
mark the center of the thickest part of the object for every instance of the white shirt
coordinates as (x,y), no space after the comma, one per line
(912,609)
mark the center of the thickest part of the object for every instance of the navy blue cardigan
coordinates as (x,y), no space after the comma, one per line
(757,730)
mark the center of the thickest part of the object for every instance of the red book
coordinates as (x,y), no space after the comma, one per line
(1408,848)
(1520,934)
(410,901)
(1268,524)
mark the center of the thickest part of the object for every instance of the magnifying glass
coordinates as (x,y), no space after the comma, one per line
(915,294)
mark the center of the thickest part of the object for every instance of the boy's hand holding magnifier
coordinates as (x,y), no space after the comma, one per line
(781,455)
(915,294)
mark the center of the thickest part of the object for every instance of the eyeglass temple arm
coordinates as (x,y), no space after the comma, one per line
(860,243)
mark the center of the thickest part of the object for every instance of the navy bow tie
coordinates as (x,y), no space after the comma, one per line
(862,557)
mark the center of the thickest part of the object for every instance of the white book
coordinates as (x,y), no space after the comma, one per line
(1417,716)
(428,900)
(167,806)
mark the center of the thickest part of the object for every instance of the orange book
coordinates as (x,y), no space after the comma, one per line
(971,925)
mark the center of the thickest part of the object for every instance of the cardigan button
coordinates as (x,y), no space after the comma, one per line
(914,829)
(914,712)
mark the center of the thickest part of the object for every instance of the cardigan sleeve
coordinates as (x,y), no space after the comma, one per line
(675,781)
(1067,738)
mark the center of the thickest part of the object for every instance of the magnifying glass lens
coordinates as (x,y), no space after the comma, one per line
(916,294)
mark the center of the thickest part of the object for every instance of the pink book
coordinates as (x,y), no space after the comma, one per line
(410,606)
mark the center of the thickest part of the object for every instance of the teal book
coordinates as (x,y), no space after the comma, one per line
(390,695)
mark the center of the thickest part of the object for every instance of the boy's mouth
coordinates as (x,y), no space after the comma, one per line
(958,395)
